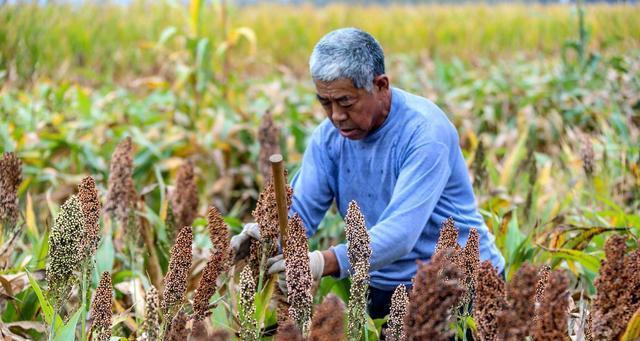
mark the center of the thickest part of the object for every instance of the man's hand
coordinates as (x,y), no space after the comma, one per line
(241,243)
(276,265)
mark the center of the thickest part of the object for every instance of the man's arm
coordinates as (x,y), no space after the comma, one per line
(423,176)
(312,193)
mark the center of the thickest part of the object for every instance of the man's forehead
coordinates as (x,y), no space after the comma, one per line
(335,89)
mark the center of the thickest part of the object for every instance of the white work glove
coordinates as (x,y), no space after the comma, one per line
(276,265)
(241,243)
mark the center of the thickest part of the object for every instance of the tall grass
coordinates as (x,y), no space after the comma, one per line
(103,42)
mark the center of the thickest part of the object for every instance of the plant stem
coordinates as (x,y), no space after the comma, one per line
(52,328)
(83,312)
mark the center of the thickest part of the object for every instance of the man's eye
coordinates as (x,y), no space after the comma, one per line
(325,103)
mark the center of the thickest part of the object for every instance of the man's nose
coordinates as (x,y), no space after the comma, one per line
(338,114)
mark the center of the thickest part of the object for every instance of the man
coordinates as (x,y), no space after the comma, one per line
(396,154)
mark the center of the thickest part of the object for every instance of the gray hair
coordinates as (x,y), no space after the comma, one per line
(347,53)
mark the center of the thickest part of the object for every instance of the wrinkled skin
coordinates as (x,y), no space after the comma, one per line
(355,112)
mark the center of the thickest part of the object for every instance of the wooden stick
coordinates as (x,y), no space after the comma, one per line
(279,182)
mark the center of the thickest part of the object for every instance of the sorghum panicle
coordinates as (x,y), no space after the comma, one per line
(437,287)
(266,212)
(448,238)
(289,331)
(328,320)
(121,195)
(248,323)
(175,281)
(617,290)
(185,196)
(518,317)
(178,328)
(151,323)
(553,313)
(399,303)
(357,306)
(218,231)
(101,309)
(91,208)
(64,250)
(469,263)
(587,155)
(216,265)
(269,137)
(298,273)
(10,180)
(489,302)
(358,240)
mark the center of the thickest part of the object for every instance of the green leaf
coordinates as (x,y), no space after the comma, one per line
(105,256)
(590,262)
(68,331)
(47,309)
(632,333)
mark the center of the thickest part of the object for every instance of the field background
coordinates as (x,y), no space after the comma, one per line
(543,89)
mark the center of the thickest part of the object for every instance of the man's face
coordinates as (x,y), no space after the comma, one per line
(355,112)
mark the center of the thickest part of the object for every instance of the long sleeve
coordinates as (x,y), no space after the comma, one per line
(312,193)
(423,175)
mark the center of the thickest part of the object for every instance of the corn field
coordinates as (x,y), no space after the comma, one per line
(134,146)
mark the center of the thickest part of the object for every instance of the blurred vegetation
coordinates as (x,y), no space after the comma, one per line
(102,42)
(530,90)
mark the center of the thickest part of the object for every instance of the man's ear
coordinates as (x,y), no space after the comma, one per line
(381,82)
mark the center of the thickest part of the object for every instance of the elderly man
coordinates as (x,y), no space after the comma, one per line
(396,154)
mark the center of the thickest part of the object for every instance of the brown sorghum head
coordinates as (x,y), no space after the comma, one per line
(91,208)
(552,322)
(218,232)
(175,281)
(358,240)
(268,136)
(216,265)
(479,167)
(298,272)
(399,304)
(328,320)
(437,287)
(469,263)
(266,212)
(248,323)
(185,196)
(122,193)
(587,154)
(10,180)
(289,331)
(64,250)
(489,302)
(617,287)
(101,309)
(448,237)
(151,323)
(516,321)
(219,335)
(198,331)
(178,328)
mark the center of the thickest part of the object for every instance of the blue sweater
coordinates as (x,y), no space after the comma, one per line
(407,176)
